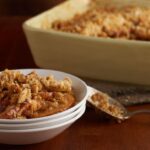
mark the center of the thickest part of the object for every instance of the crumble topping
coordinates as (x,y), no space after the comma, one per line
(129,22)
(32,96)
(101,101)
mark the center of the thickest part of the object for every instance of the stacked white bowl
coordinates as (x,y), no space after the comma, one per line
(30,131)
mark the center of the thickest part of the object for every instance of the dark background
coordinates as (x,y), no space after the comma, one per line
(14,50)
(25,7)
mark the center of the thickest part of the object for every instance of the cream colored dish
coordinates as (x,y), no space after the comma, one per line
(100,58)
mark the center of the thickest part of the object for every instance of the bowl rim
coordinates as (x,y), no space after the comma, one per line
(73,114)
(54,115)
(47,128)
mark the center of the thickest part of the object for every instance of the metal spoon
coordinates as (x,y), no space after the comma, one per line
(111,106)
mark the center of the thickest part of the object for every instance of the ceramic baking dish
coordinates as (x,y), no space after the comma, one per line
(98,58)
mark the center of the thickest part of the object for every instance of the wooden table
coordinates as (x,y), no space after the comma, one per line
(90,132)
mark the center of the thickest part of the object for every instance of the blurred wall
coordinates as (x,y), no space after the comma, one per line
(25,7)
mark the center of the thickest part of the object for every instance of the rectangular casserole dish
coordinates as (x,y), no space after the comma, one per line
(92,57)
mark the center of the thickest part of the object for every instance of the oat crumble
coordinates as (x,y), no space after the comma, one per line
(101,101)
(31,96)
(130,22)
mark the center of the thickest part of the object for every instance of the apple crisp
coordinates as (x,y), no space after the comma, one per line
(129,22)
(31,96)
(101,101)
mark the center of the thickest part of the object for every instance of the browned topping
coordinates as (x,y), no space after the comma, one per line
(101,101)
(32,96)
(127,23)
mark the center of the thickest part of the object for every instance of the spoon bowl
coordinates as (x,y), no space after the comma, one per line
(110,106)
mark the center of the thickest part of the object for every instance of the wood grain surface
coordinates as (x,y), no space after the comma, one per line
(91,131)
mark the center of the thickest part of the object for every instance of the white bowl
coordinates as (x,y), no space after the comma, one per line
(79,87)
(31,136)
(42,124)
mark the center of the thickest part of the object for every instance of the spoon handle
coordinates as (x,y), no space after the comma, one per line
(134,101)
(130,114)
